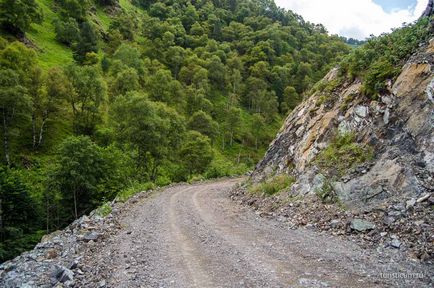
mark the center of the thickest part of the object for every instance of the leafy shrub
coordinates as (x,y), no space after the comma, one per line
(375,79)
(326,193)
(67,32)
(273,185)
(133,189)
(222,167)
(342,154)
(381,57)
(104,209)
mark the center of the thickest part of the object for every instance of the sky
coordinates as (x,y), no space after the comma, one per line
(357,18)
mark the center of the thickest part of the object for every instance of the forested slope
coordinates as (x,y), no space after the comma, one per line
(103,98)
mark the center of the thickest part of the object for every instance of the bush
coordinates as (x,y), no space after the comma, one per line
(196,152)
(375,79)
(67,32)
(273,185)
(85,175)
(326,193)
(104,209)
(342,154)
(133,189)
(222,167)
(382,57)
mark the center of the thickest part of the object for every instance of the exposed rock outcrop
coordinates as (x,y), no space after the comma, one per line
(399,127)
(392,191)
(429,11)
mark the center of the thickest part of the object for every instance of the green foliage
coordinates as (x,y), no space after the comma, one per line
(74,9)
(342,154)
(326,192)
(87,96)
(377,74)
(17,214)
(196,152)
(81,175)
(151,128)
(67,32)
(381,57)
(220,166)
(133,189)
(87,43)
(17,15)
(143,75)
(202,122)
(104,210)
(273,185)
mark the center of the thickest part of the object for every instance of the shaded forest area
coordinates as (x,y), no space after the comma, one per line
(100,99)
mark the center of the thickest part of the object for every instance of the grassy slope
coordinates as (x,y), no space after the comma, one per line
(43,36)
(51,53)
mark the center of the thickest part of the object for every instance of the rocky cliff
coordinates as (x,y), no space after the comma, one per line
(398,128)
(360,168)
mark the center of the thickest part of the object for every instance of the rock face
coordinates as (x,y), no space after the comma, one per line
(399,127)
(429,9)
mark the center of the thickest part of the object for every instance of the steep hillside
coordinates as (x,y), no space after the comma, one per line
(358,154)
(102,98)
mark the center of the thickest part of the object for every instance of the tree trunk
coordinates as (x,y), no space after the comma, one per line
(34,130)
(41,132)
(6,140)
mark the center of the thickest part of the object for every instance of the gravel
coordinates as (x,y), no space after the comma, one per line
(196,236)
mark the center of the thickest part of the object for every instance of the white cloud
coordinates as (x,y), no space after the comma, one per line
(353,18)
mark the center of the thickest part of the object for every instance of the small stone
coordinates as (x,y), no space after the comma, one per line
(386,116)
(91,236)
(102,284)
(386,100)
(410,203)
(399,207)
(361,111)
(63,274)
(73,265)
(361,225)
(51,254)
(395,243)
(394,213)
(389,220)
(423,198)
(335,223)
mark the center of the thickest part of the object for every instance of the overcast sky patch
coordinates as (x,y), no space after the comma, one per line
(357,18)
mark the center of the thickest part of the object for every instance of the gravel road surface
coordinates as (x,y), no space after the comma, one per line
(195,236)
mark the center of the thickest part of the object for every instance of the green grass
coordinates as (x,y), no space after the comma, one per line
(135,188)
(43,36)
(104,210)
(342,154)
(127,6)
(103,18)
(273,185)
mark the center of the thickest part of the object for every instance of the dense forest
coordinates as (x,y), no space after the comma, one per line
(103,98)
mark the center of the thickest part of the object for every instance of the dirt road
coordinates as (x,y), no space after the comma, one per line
(195,236)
